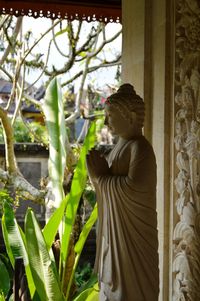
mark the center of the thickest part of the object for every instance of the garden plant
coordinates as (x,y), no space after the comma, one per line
(49,278)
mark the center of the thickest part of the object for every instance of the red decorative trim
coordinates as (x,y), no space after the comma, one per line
(105,11)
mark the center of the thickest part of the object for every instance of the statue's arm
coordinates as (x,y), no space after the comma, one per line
(97,165)
(142,167)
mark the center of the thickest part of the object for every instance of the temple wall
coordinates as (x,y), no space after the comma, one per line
(32,160)
(161,58)
(149,81)
(154,82)
(186,192)
(161,139)
(133,34)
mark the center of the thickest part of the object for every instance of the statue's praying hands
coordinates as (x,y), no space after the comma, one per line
(97,165)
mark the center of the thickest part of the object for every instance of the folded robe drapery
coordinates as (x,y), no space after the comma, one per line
(127,244)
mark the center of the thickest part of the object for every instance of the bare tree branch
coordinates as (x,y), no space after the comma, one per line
(19,100)
(76,113)
(115,62)
(14,86)
(78,30)
(43,70)
(15,34)
(87,45)
(56,44)
(104,43)
(73,52)
(26,96)
(33,101)
(13,175)
(6,73)
(26,190)
(3,21)
(9,142)
(38,40)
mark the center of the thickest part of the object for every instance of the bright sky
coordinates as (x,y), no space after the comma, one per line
(99,78)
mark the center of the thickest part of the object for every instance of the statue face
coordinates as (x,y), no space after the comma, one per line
(119,124)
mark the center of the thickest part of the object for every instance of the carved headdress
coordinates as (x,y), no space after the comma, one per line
(126,100)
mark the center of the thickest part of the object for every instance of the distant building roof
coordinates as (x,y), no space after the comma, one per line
(30,109)
(39,93)
(5,86)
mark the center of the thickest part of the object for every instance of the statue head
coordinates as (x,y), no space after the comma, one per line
(124,112)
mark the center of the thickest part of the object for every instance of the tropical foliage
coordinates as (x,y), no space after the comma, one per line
(81,48)
(34,245)
(49,278)
(32,132)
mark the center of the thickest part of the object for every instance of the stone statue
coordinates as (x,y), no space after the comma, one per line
(125,184)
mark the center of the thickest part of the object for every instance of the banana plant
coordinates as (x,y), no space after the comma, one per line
(14,240)
(34,245)
(4,280)
(55,121)
(43,277)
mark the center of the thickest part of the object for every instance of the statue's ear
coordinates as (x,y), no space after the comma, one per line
(133,117)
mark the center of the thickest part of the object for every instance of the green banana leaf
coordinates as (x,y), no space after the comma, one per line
(77,187)
(15,243)
(12,236)
(42,268)
(4,279)
(55,122)
(90,294)
(83,296)
(85,231)
(93,296)
(90,283)
(81,242)
(2,298)
(6,241)
(51,227)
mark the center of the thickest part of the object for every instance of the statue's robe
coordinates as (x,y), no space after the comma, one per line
(127,243)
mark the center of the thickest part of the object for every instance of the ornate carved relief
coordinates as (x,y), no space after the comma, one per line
(186,264)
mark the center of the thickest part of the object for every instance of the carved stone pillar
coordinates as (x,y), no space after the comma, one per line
(186,234)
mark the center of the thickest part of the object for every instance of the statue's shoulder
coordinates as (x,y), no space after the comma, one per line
(141,145)
(140,142)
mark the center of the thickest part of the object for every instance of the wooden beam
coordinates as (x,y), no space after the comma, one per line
(105,11)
